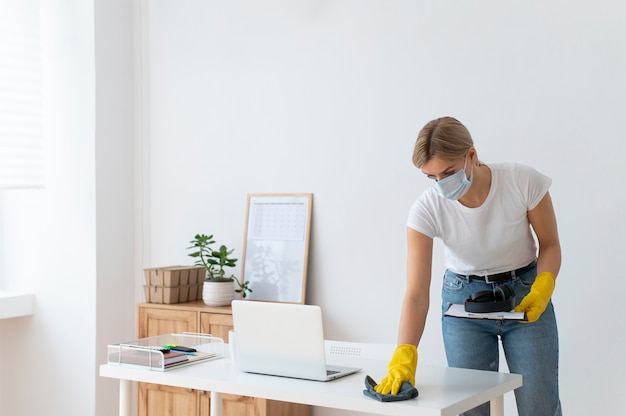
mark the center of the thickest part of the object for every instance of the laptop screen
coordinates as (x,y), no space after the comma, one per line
(279,339)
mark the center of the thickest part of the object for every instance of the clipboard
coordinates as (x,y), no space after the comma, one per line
(458,311)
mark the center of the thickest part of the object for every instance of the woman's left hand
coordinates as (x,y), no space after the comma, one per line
(537,300)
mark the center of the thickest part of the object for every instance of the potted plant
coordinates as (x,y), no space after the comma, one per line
(218,288)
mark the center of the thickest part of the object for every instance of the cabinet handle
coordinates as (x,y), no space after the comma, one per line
(189,390)
(202,392)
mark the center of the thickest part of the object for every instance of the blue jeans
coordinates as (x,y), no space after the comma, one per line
(531,349)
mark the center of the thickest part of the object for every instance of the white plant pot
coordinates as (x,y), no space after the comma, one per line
(218,293)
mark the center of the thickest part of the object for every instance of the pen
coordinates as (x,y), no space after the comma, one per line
(180,348)
(160,349)
(184,352)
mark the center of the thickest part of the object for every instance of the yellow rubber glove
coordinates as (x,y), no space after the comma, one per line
(401,368)
(537,300)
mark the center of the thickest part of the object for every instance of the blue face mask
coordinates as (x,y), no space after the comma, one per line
(454,186)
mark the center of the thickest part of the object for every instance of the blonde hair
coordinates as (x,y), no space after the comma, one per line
(444,137)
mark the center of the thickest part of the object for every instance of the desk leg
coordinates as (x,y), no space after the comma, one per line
(497,406)
(126,399)
(216,403)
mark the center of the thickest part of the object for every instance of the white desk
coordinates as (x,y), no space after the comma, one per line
(442,391)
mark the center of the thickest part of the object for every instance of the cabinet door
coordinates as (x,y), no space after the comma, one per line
(155,321)
(216,324)
(237,405)
(155,399)
(242,405)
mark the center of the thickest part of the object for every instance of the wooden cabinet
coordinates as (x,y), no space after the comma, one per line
(156,400)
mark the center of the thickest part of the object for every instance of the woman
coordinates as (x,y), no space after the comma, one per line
(485,216)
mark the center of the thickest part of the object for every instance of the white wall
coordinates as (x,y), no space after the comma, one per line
(72,244)
(328,96)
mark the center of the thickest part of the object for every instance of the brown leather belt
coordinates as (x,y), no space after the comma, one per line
(502,277)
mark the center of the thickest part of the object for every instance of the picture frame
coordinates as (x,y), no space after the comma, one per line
(276,246)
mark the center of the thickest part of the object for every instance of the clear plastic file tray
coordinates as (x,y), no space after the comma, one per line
(147,352)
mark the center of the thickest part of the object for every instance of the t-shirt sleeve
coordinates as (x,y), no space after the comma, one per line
(534,185)
(421,218)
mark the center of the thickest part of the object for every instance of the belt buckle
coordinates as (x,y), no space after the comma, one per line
(487,280)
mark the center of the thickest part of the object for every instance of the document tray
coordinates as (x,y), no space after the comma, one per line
(151,353)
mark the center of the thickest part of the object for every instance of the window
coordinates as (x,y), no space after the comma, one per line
(21,137)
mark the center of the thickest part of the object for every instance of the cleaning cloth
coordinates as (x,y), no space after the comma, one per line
(407,391)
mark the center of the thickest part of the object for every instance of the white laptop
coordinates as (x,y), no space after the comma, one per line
(282,339)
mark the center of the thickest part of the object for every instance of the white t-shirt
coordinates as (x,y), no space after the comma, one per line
(492,238)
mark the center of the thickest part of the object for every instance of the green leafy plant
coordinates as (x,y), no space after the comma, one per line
(215,261)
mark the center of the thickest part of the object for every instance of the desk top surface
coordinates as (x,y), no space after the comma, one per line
(443,391)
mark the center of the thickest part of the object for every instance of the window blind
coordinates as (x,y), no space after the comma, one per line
(21,131)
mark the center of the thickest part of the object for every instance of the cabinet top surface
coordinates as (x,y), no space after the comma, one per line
(196,305)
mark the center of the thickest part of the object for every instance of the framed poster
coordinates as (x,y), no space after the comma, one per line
(276,246)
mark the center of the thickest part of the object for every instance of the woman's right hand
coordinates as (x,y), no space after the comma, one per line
(401,368)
